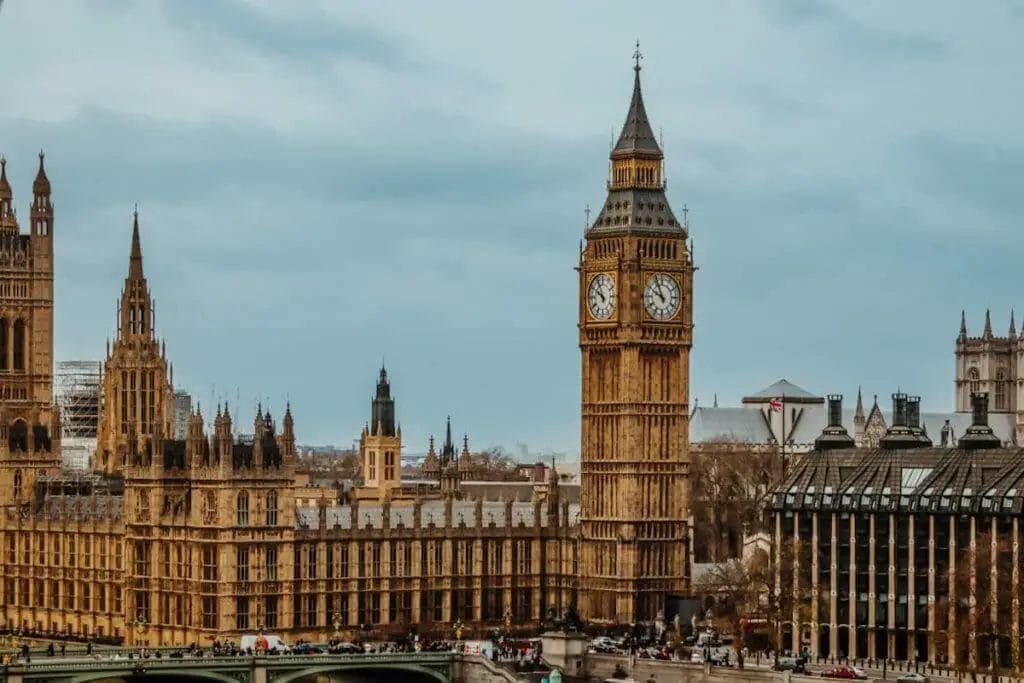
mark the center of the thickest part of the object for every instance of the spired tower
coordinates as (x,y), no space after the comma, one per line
(636,326)
(380,445)
(137,387)
(29,435)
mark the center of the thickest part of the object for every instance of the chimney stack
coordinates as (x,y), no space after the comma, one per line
(905,431)
(979,434)
(914,420)
(834,436)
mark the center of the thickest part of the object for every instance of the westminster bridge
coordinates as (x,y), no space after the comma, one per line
(414,667)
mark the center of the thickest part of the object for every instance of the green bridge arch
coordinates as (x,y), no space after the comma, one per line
(197,675)
(353,667)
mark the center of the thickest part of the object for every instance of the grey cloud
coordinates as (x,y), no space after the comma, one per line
(865,41)
(987,177)
(303,33)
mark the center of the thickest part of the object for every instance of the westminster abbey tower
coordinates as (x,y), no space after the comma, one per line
(635,335)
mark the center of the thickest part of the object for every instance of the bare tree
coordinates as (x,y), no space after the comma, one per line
(732,485)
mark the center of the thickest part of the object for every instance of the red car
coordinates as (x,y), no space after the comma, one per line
(840,672)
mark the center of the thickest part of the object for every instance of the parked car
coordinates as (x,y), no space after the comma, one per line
(794,664)
(345,649)
(306,649)
(843,672)
(912,677)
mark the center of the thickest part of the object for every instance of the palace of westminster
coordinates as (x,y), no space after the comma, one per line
(175,541)
(889,547)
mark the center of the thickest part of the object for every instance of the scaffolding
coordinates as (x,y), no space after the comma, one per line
(77,394)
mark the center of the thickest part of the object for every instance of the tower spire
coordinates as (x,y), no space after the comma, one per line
(988,324)
(41,186)
(963,323)
(135,261)
(860,405)
(636,136)
(1013,325)
(5,187)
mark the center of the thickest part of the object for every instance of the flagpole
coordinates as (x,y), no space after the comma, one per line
(783,451)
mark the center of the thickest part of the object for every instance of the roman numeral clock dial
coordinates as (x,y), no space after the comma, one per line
(661,296)
(601,296)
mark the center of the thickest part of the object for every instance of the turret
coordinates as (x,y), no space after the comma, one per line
(42,209)
(6,198)
(465,461)
(431,466)
(382,412)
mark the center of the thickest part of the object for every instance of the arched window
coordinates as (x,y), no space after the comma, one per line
(242,509)
(272,508)
(975,380)
(17,484)
(18,341)
(209,507)
(1001,389)
(371,471)
(18,437)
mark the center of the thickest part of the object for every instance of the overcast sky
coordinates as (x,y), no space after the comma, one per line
(325,184)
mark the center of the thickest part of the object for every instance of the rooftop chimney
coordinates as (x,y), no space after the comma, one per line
(914,419)
(899,410)
(834,436)
(903,433)
(979,434)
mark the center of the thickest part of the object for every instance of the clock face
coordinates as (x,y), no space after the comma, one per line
(661,296)
(601,296)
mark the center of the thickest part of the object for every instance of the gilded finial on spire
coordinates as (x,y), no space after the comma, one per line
(637,56)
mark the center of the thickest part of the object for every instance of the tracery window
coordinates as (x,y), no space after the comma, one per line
(272,508)
(209,507)
(1001,389)
(242,509)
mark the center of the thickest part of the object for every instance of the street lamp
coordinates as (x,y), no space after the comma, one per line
(337,625)
(458,627)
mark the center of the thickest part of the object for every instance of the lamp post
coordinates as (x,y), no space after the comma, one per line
(457,628)
(336,622)
(140,623)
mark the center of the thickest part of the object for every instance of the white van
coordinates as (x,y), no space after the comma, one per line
(273,642)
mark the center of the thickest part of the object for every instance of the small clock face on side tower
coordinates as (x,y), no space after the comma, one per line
(601,296)
(661,296)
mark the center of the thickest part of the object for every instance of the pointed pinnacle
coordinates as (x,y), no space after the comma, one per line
(135,260)
(963,323)
(988,323)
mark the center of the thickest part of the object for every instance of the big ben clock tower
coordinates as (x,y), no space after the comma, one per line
(636,327)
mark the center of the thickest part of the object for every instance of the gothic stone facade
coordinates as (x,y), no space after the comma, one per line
(185,540)
(994,365)
(636,327)
(29,435)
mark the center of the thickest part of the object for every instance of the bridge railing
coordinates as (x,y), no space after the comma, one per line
(100,662)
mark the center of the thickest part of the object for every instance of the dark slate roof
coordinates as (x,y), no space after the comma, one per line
(783,388)
(636,210)
(926,479)
(637,136)
(732,425)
